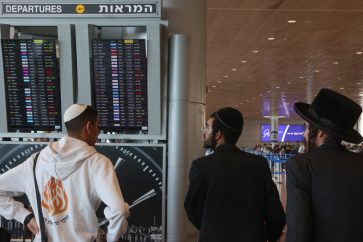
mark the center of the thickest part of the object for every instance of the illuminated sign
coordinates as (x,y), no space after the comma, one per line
(286,133)
(79,9)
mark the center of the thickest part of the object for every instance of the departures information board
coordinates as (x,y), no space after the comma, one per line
(120,83)
(31,74)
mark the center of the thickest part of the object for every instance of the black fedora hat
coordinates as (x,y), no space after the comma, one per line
(334,113)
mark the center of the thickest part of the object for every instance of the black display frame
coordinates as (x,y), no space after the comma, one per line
(122,128)
(23,127)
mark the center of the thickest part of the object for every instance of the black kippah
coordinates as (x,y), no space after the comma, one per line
(230,118)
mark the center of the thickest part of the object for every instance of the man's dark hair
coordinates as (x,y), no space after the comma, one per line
(4,235)
(313,132)
(75,125)
(230,135)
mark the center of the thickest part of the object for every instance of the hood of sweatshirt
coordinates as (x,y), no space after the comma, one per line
(61,158)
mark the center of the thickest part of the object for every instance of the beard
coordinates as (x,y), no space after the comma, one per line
(210,142)
(207,143)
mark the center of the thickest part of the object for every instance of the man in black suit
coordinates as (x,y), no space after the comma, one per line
(325,185)
(231,196)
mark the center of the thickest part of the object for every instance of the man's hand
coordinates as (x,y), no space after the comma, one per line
(33,226)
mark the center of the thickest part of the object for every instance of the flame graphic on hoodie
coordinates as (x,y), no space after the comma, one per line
(56,200)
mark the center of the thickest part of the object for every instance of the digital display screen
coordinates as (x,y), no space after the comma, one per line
(31,75)
(286,133)
(120,84)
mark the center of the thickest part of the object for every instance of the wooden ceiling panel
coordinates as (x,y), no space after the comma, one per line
(319,50)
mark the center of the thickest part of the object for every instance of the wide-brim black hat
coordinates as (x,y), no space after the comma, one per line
(334,113)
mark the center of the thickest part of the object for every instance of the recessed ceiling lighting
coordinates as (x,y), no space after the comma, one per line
(214,86)
(358,52)
(289,83)
(291,21)
(219,81)
(268,91)
(226,76)
(301,77)
(271,38)
(317,71)
(255,51)
(260,95)
(236,105)
(242,103)
(234,69)
(243,61)
(335,62)
(358,83)
(341,88)
(209,90)
(278,87)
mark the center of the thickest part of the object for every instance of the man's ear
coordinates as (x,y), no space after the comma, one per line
(322,133)
(219,135)
(88,126)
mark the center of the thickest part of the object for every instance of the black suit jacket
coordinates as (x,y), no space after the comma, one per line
(232,197)
(325,196)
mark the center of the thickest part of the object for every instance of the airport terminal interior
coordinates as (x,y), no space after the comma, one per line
(155,70)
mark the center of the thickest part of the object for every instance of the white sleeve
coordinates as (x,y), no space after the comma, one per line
(12,183)
(108,189)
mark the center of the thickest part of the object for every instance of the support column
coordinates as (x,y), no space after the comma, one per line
(188,17)
(274,130)
(177,136)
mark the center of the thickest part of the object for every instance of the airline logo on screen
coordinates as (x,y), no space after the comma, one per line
(128,9)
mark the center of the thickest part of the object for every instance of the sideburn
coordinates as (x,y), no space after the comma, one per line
(313,133)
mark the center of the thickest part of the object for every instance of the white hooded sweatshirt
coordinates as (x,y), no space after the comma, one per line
(73,179)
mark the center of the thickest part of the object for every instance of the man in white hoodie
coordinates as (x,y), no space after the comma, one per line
(73,179)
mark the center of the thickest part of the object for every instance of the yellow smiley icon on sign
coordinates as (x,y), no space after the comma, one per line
(80,8)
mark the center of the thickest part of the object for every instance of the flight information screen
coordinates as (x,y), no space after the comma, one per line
(31,74)
(120,83)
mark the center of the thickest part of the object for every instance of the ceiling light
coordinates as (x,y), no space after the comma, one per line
(289,83)
(335,62)
(308,21)
(234,69)
(317,71)
(301,77)
(341,88)
(242,103)
(271,38)
(214,86)
(359,52)
(226,76)
(255,51)
(243,61)
(236,105)
(291,21)
(277,87)
(358,83)
(219,81)
(209,90)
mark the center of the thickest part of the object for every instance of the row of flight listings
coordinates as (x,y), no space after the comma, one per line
(32,83)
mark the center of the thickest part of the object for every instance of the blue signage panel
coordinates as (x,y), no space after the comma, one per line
(286,133)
